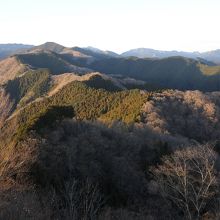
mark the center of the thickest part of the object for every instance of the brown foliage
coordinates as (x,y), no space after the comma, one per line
(190,114)
(188,178)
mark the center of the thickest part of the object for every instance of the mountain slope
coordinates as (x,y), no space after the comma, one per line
(151,53)
(50,60)
(79,52)
(191,114)
(10,68)
(107,52)
(83,146)
(88,103)
(49,46)
(90,99)
(212,56)
(6,106)
(174,72)
(28,87)
(94,80)
(9,49)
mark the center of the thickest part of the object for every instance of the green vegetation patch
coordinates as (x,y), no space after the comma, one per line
(128,110)
(45,118)
(88,104)
(32,84)
(98,82)
(51,61)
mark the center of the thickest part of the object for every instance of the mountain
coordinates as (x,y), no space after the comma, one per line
(173,72)
(91,52)
(49,60)
(49,46)
(26,77)
(95,53)
(106,52)
(46,76)
(75,55)
(91,95)
(11,68)
(88,52)
(83,134)
(212,56)
(151,53)
(8,49)
(11,49)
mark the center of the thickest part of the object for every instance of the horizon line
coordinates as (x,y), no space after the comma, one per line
(89,46)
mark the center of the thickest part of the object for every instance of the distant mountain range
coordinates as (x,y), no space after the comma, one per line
(213,57)
(85,127)
(95,84)
(9,49)
(175,72)
(43,84)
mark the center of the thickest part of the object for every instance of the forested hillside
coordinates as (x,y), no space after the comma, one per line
(171,73)
(175,72)
(115,144)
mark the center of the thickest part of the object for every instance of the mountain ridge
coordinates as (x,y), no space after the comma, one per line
(174,72)
(9,49)
(213,56)
(142,52)
(73,118)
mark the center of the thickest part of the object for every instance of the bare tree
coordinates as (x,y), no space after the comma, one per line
(83,200)
(188,178)
(191,114)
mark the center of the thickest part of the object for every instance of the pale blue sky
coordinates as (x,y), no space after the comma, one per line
(116,25)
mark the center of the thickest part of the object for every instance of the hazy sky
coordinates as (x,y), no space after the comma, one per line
(116,25)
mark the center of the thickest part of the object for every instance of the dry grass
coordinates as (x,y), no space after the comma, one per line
(74,53)
(59,81)
(10,68)
(5,106)
(209,70)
